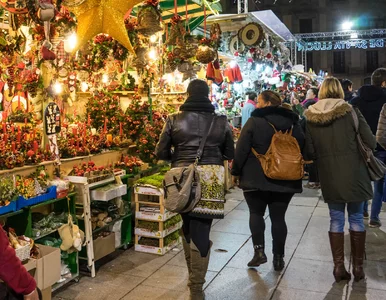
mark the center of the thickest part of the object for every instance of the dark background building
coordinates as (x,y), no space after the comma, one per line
(312,16)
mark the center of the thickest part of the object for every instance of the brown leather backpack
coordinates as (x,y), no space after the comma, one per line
(283,160)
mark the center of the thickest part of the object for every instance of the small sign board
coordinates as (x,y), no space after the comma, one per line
(52,118)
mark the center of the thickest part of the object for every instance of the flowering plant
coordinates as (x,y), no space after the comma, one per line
(130,163)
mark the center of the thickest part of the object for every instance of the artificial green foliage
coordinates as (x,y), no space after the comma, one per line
(154,180)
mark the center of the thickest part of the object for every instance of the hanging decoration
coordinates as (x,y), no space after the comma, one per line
(149,18)
(205,52)
(177,31)
(251,34)
(102,16)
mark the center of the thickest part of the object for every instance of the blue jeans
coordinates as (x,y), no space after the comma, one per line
(355,216)
(366,207)
(376,205)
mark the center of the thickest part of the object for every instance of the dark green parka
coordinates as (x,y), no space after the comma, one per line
(331,142)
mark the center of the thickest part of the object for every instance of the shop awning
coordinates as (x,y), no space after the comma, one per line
(194,8)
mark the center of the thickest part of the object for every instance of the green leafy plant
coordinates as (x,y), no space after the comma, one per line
(8,191)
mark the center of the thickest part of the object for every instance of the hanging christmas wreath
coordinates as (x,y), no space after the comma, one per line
(251,34)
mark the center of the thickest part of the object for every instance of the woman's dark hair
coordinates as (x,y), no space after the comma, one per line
(198,87)
(378,77)
(315,91)
(346,83)
(252,96)
(272,97)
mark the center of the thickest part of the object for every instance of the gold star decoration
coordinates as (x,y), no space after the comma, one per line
(102,16)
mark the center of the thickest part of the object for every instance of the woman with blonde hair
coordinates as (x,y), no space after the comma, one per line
(331,142)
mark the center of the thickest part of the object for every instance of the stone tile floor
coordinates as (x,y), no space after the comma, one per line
(308,274)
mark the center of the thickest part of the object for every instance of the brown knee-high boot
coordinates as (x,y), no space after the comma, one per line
(358,241)
(186,246)
(199,267)
(337,249)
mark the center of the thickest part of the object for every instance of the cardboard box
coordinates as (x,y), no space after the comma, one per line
(157,250)
(48,267)
(47,293)
(30,264)
(103,246)
(157,234)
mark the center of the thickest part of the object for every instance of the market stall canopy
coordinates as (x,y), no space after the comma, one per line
(193,8)
(266,18)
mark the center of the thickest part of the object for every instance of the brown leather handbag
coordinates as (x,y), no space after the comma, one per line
(283,160)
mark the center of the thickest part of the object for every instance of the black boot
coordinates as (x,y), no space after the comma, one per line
(278,262)
(259,257)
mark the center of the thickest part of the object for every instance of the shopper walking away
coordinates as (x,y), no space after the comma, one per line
(370,101)
(259,190)
(179,143)
(19,283)
(345,181)
(313,178)
(248,108)
(348,90)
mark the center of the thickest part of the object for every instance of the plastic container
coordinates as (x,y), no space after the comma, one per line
(11,207)
(109,192)
(22,202)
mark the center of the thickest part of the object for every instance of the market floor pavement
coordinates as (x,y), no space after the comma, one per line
(308,273)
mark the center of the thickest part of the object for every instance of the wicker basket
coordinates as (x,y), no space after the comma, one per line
(23,253)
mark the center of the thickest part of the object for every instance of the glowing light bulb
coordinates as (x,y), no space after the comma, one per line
(354,35)
(347,25)
(58,89)
(84,87)
(70,43)
(105,78)
(153,38)
(152,54)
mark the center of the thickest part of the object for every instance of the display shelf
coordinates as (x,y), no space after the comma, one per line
(110,224)
(26,167)
(157,234)
(168,93)
(84,202)
(11,214)
(44,235)
(53,201)
(161,250)
(63,283)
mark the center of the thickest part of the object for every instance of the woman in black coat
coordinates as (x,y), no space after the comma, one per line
(260,191)
(179,143)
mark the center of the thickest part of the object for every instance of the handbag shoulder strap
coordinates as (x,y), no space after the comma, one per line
(356,121)
(203,141)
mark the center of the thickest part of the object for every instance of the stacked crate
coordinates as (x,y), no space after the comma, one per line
(156,229)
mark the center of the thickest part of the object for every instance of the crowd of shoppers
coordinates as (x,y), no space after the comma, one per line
(323,125)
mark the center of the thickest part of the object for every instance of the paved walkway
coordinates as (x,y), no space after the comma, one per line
(308,273)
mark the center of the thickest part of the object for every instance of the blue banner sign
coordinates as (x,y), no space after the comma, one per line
(341,45)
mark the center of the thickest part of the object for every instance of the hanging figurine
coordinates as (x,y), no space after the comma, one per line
(46,13)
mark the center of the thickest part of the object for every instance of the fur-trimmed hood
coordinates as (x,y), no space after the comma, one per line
(326,111)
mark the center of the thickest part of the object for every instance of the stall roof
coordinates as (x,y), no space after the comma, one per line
(267,18)
(271,21)
(194,9)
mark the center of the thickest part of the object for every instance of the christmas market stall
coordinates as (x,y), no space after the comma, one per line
(85,88)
